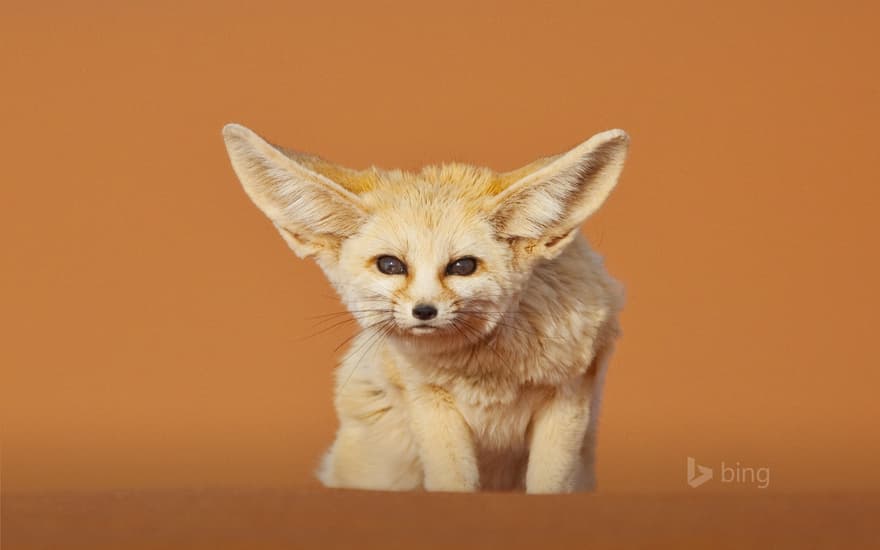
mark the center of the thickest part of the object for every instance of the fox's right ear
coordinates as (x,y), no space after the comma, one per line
(312,212)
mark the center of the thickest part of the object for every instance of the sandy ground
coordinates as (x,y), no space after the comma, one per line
(345,519)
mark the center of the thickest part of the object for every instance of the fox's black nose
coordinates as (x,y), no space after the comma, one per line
(424,312)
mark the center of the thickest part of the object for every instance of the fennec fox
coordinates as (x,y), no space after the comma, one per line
(487,320)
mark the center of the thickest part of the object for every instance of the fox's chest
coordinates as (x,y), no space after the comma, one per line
(501,425)
(500,433)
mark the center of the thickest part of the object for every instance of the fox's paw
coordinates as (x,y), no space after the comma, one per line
(452,482)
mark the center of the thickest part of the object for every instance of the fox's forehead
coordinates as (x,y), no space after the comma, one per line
(432,215)
(440,183)
(427,215)
(431,196)
(452,192)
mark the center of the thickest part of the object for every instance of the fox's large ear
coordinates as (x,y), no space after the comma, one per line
(312,212)
(550,199)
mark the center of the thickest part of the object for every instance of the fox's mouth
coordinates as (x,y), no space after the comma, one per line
(421,329)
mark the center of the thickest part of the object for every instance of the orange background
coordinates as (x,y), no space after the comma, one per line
(155,326)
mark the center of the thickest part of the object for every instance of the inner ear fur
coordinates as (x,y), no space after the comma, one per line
(311,211)
(552,197)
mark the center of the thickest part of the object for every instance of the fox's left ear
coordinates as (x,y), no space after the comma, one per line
(312,212)
(546,205)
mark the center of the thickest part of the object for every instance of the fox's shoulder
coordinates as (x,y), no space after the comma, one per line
(578,279)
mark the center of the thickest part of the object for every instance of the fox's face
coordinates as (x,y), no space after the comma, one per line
(427,261)
(437,257)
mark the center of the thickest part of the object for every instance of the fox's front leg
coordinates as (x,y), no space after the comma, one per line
(446,447)
(557,439)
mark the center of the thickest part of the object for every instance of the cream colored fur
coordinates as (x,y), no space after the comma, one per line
(501,390)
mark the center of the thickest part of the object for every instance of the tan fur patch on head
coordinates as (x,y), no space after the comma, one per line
(453,179)
(356,181)
(504,180)
(473,181)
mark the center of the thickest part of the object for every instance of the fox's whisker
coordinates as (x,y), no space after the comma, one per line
(479,340)
(356,334)
(378,335)
(335,325)
(487,316)
(346,312)
(326,329)
(357,314)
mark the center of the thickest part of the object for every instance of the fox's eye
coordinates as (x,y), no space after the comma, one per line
(390,265)
(462,266)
